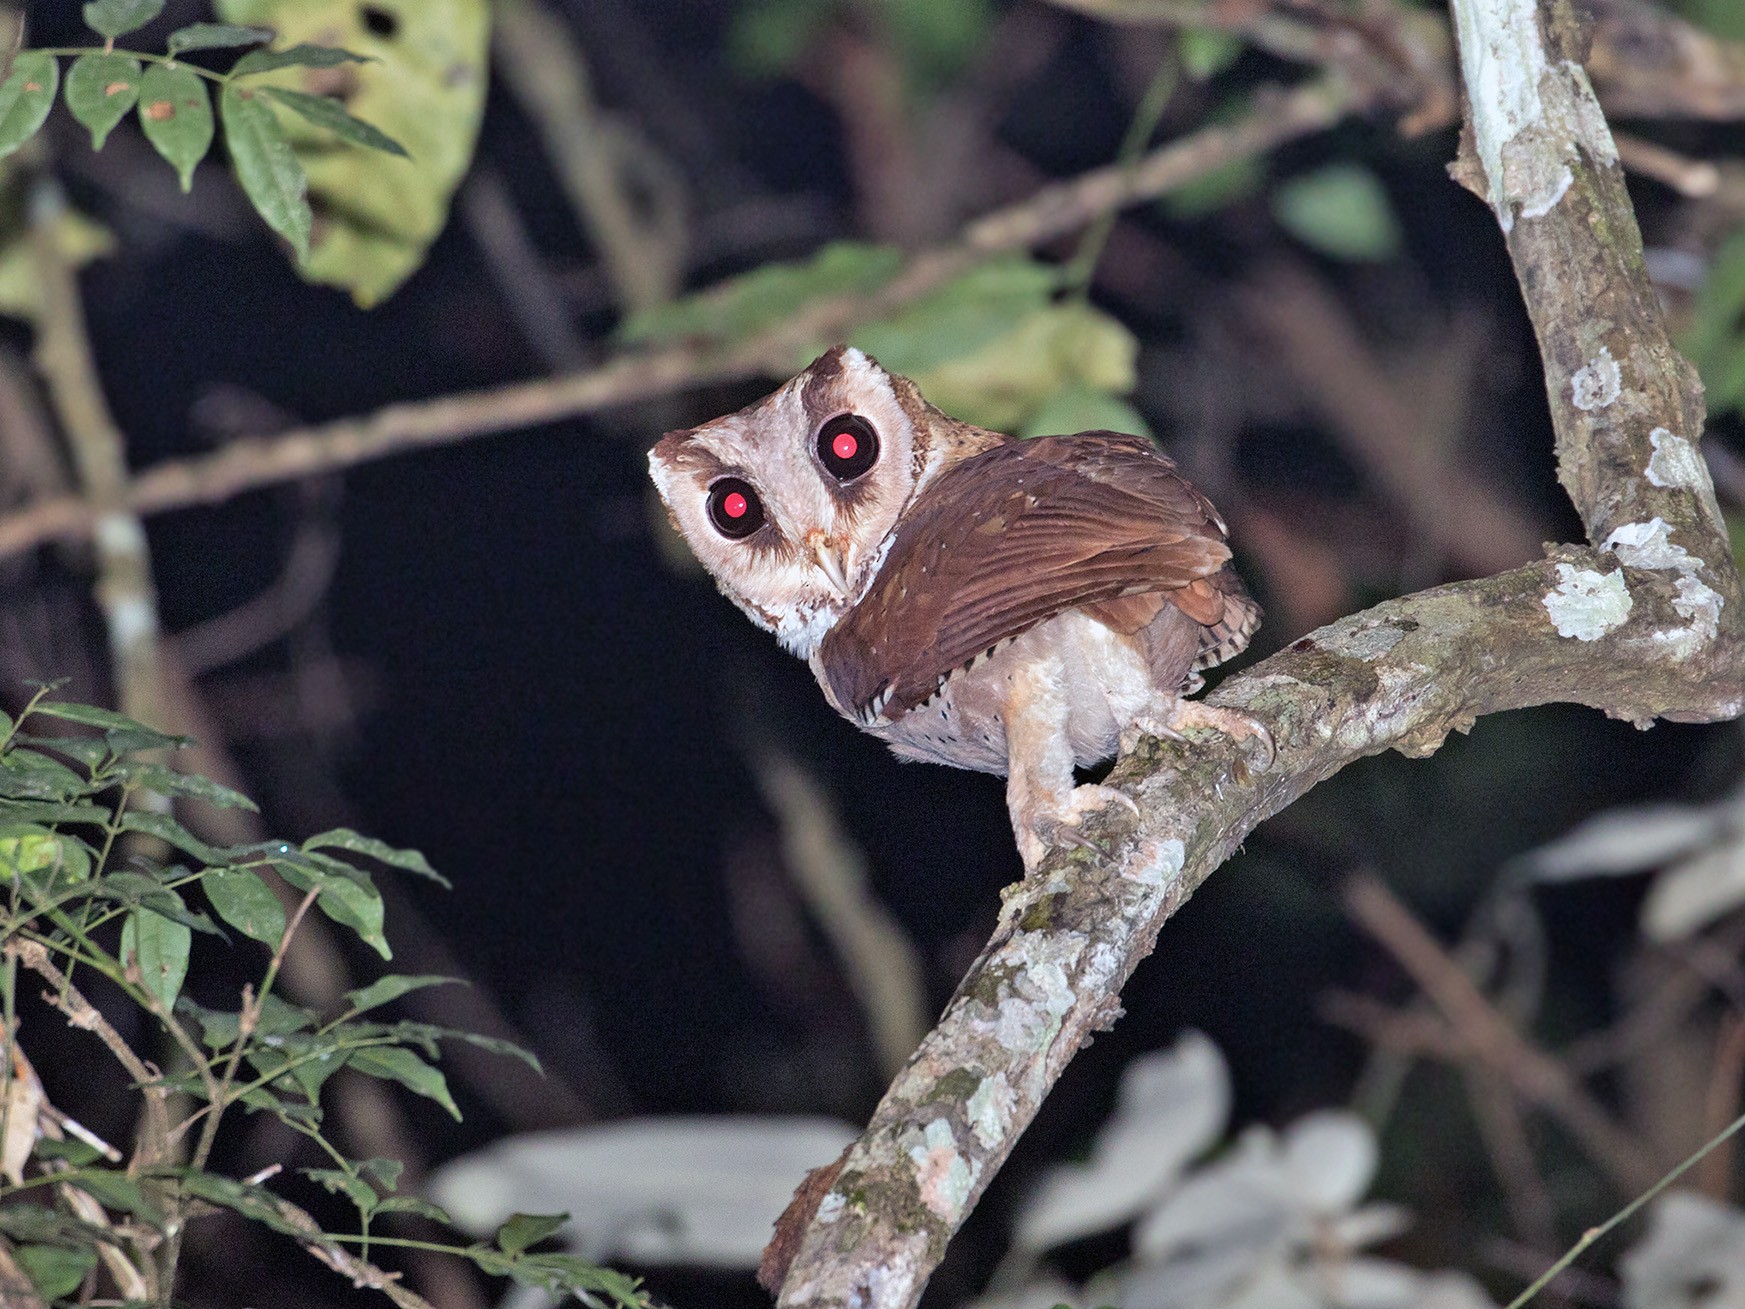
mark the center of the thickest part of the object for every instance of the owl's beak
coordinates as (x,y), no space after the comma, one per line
(832,563)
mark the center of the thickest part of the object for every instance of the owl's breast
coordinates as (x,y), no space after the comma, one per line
(1103,675)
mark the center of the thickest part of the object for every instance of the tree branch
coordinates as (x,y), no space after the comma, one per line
(1054,211)
(1642,623)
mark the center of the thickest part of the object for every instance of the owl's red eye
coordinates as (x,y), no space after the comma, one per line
(847,446)
(734,508)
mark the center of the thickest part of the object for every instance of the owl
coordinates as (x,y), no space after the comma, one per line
(1022,608)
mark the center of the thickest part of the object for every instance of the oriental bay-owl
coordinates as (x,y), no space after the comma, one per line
(1016,607)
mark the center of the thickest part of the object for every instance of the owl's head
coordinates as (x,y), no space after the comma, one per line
(791,502)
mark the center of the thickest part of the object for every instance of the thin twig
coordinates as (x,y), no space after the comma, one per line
(1534,1075)
(1054,211)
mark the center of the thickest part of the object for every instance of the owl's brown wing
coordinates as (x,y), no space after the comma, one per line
(1008,539)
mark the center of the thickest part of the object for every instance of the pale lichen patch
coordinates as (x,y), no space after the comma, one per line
(1675,462)
(1367,643)
(1156,862)
(943,1177)
(1596,383)
(990,1110)
(1586,604)
(1650,545)
(831,1207)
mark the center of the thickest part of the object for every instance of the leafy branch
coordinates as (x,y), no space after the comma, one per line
(174,105)
(76,894)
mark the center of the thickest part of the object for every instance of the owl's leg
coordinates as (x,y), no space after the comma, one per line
(1046,807)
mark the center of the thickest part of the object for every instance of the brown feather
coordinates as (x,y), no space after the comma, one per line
(1010,538)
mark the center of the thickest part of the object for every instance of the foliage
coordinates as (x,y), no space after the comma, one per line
(101,879)
(174,107)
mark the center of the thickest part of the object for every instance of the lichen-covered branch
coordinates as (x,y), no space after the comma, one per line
(1642,622)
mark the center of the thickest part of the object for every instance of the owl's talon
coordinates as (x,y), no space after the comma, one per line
(1232,722)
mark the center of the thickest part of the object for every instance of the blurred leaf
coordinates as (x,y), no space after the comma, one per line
(216,36)
(100,90)
(424,87)
(326,112)
(1223,186)
(655,1190)
(386,989)
(116,1190)
(1172,1106)
(1009,378)
(241,898)
(1080,407)
(270,173)
(742,306)
(171,832)
(1207,51)
(343,838)
(956,319)
(1715,339)
(1725,18)
(72,1150)
(160,947)
(113,18)
(297,56)
(26,96)
(937,40)
(1340,210)
(409,1070)
(767,37)
(176,115)
(56,1271)
(524,1230)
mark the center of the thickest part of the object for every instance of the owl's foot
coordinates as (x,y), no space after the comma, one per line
(1064,825)
(1189,714)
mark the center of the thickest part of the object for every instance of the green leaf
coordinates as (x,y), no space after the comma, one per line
(523,1230)
(351,901)
(116,1190)
(138,891)
(160,947)
(26,96)
(92,751)
(72,1150)
(385,1171)
(767,37)
(48,811)
(409,1070)
(339,1182)
(270,173)
(1340,210)
(27,775)
(411,1204)
(216,36)
(243,899)
(392,987)
(249,1200)
(326,112)
(960,317)
(297,56)
(1080,407)
(100,90)
(343,838)
(742,306)
(56,1271)
(562,1272)
(1207,51)
(91,715)
(191,786)
(176,115)
(113,18)
(169,831)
